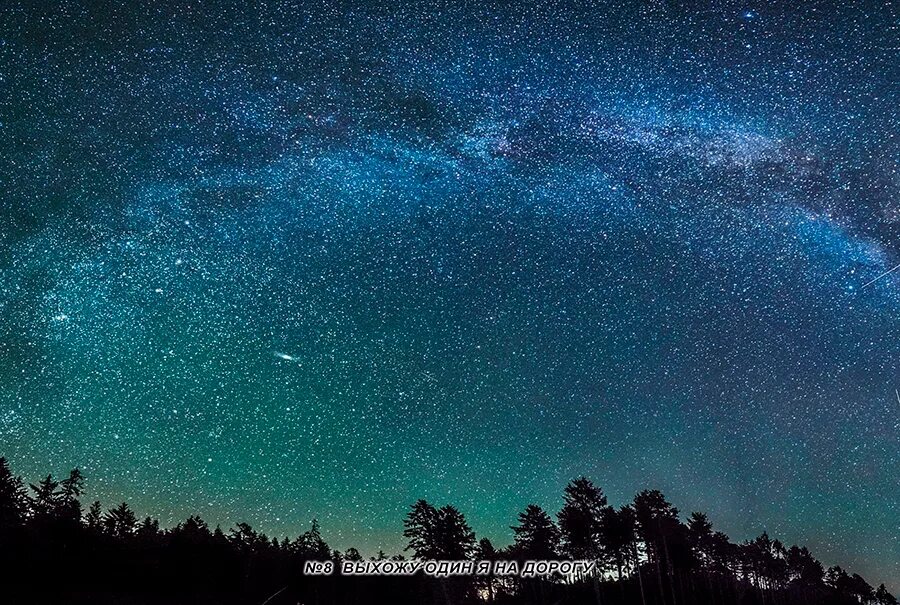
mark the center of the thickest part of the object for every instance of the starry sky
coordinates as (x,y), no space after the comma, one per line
(321,259)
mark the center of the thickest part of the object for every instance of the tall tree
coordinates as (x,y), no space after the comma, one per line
(419,528)
(310,544)
(94,517)
(764,561)
(860,589)
(485,551)
(658,527)
(438,533)
(536,535)
(248,540)
(441,534)
(192,530)
(71,488)
(836,578)
(581,519)
(120,521)
(148,530)
(657,520)
(618,536)
(13,498)
(803,568)
(700,537)
(45,499)
(455,539)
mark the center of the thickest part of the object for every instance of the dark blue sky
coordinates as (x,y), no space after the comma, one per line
(320,260)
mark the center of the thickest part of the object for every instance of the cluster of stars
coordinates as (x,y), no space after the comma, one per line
(300,261)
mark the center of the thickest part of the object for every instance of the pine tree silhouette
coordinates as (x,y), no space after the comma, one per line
(420,529)
(120,521)
(311,546)
(45,499)
(803,568)
(662,533)
(883,597)
(438,533)
(581,519)
(13,498)
(485,551)
(71,488)
(112,557)
(94,517)
(618,537)
(536,536)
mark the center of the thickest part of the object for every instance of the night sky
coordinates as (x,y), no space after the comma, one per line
(297,260)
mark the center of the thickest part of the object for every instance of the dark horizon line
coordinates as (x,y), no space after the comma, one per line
(314,523)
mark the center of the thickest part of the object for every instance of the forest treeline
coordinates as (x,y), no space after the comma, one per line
(53,550)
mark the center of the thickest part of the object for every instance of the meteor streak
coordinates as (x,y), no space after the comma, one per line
(888,272)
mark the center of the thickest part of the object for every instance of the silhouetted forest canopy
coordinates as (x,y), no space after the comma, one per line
(53,550)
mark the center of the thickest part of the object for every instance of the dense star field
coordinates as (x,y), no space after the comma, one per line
(297,260)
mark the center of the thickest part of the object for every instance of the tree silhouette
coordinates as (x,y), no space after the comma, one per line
(420,529)
(861,589)
(618,536)
(837,578)
(850,585)
(106,558)
(766,562)
(351,554)
(536,536)
(803,568)
(662,534)
(193,530)
(247,540)
(71,488)
(700,537)
(883,597)
(485,551)
(120,521)
(311,545)
(441,534)
(148,530)
(13,498)
(455,539)
(94,517)
(438,533)
(45,499)
(581,519)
